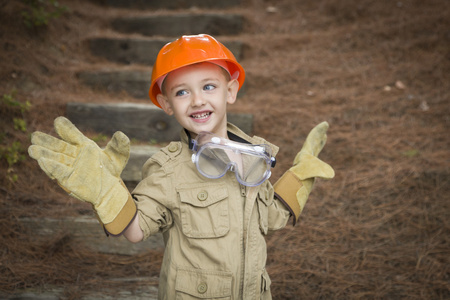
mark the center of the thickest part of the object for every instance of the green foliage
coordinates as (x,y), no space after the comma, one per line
(10,107)
(40,12)
(100,138)
(12,113)
(13,153)
(411,153)
(153,141)
(9,101)
(20,124)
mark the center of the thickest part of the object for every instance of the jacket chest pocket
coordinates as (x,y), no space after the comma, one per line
(204,210)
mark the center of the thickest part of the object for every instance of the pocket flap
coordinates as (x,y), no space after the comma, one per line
(204,283)
(202,195)
(265,197)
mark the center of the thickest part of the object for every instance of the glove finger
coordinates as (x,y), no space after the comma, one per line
(55,170)
(37,152)
(310,166)
(118,150)
(52,143)
(68,132)
(315,141)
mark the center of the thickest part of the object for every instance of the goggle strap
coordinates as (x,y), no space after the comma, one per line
(191,142)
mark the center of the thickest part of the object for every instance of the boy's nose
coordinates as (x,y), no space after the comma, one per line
(197,99)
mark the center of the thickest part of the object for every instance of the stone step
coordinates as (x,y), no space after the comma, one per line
(142,291)
(172,4)
(135,82)
(87,230)
(145,122)
(142,50)
(132,173)
(181,24)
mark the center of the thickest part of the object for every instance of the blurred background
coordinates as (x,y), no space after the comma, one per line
(376,71)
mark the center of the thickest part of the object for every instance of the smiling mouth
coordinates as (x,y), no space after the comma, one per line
(200,116)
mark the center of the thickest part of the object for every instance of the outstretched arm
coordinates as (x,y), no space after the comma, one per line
(294,186)
(87,172)
(134,232)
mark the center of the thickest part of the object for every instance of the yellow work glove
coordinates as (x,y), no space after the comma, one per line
(87,172)
(294,186)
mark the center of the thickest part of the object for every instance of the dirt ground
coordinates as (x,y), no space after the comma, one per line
(376,71)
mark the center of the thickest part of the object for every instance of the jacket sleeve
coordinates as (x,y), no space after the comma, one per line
(150,196)
(278,213)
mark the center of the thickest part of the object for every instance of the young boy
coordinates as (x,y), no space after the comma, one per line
(208,194)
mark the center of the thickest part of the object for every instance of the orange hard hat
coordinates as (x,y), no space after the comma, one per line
(188,50)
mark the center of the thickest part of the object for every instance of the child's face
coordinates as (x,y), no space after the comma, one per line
(197,95)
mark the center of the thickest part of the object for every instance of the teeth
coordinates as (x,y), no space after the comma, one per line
(201,116)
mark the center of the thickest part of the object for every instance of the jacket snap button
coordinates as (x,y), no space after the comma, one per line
(202,288)
(202,196)
(173,147)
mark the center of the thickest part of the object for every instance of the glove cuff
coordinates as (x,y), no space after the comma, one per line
(123,219)
(286,190)
(118,210)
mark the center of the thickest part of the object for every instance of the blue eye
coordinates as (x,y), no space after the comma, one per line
(209,87)
(181,93)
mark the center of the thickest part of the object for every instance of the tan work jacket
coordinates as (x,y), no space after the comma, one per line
(213,229)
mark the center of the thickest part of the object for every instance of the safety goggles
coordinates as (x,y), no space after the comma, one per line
(214,156)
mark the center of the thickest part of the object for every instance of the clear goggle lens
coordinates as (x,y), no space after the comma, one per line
(215,156)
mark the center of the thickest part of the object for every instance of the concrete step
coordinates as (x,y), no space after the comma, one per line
(181,24)
(142,50)
(139,121)
(87,230)
(172,4)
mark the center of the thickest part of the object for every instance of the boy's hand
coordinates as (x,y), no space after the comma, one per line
(83,169)
(295,185)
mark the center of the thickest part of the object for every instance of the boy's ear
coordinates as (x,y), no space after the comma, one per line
(165,105)
(233,87)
